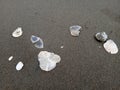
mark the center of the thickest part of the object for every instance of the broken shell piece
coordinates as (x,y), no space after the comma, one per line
(19,66)
(34,39)
(101,36)
(110,47)
(10,58)
(18,32)
(48,60)
(75,30)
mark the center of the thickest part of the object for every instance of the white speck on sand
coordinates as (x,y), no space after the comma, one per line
(62,47)
(75,30)
(10,58)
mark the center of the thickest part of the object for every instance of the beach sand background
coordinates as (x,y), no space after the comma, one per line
(85,65)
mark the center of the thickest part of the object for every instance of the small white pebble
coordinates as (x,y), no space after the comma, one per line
(10,58)
(19,66)
(18,32)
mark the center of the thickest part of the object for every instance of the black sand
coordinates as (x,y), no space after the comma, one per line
(84,65)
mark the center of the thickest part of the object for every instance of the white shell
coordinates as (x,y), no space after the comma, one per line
(19,66)
(48,60)
(10,58)
(18,32)
(110,47)
(75,30)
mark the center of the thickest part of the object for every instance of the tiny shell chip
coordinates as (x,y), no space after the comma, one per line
(110,47)
(18,32)
(34,39)
(101,36)
(48,60)
(10,58)
(75,30)
(19,66)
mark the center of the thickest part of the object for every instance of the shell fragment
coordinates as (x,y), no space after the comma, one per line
(48,60)
(110,47)
(18,32)
(75,30)
(101,36)
(37,41)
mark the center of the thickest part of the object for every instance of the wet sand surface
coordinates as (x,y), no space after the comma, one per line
(84,66)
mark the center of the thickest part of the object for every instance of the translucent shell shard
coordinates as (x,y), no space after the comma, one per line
(37,41)
(75,30)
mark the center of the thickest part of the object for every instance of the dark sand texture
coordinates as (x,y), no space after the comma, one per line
(84,65)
